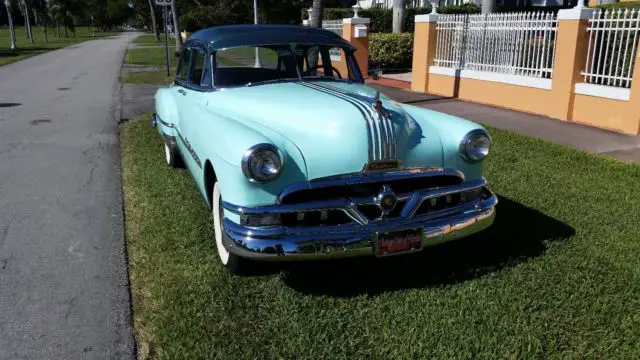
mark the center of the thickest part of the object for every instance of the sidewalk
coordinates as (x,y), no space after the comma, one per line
(608,143)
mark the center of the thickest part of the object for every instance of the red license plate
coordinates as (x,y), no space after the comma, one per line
(396,242)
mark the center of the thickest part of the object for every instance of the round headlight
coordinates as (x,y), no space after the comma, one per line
(262,162)
(475,145)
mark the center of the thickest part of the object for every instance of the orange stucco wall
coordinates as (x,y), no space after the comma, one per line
(523,98)
(609,114)
(441,85)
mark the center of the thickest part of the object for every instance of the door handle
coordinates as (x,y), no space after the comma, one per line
(183,92)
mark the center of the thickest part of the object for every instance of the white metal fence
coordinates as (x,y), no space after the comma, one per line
(336,27)
(388,4)
(511,43)
(613,39)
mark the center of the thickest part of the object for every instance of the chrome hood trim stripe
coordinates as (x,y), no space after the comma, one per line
(380,129)
(358,105)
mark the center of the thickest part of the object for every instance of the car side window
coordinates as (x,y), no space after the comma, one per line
(183,68)
(198,61)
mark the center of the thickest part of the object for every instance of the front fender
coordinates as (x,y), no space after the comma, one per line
(452,130)
(227,140)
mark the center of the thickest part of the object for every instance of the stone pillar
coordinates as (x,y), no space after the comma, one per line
(351,33)
(424,50)
(571,52)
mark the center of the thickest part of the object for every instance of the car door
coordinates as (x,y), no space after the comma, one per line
(193,89)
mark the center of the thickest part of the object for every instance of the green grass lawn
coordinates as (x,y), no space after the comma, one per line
(151,40)
(557,276)
(151,56)
(26,49)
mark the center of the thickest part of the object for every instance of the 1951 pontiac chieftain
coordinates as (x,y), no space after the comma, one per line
(298,159)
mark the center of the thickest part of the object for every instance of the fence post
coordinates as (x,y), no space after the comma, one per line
(571,53)
(424,50)
(351,31)
(634,96)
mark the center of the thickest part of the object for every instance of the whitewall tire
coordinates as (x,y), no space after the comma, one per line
(217,224)
(236,264)
(171,155)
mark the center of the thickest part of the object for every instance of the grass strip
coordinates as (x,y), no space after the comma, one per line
(557,276)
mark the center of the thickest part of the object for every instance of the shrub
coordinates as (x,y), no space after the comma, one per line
(622,5)
(382,19)
(391,51)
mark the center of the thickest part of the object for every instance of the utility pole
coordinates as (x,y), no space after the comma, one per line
(255,22)
(12,30)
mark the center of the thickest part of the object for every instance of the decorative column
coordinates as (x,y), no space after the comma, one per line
(424,49)
(356,31)
(571,51)
(634,97)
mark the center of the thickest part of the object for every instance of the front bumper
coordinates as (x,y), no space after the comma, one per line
(323,242)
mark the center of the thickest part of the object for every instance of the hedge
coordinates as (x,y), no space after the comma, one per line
(622,5)
(390,51)
(381,19)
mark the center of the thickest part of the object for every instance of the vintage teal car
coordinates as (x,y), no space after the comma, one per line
(298,159)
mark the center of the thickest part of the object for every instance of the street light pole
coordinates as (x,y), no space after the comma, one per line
(93,30)
(255,21)
(12,30)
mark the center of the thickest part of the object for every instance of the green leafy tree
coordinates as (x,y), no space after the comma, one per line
(65,12)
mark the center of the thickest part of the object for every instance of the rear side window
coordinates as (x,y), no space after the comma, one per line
(183,67)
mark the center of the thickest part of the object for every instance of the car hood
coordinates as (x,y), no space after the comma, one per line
(333,124)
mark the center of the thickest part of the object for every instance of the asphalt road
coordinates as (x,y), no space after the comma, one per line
(64,290)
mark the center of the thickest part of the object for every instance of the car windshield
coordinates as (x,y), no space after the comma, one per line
(258,65)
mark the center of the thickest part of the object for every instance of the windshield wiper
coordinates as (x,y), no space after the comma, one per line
(265,82)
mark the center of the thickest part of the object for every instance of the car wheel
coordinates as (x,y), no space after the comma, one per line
(236,264)
(171,155)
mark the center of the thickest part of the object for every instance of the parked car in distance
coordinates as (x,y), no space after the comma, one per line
(299,160)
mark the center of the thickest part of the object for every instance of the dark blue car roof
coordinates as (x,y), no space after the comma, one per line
(221,37)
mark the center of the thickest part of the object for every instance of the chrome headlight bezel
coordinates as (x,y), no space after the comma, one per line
(251,152)
(466,150)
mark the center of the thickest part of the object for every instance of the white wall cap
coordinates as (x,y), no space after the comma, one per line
(576,13)
(607,92)
(426,18)
(356,21)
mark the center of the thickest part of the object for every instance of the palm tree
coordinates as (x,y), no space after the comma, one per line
(153,20)
(24,9)
(176,27)
(64,12)
(12,31)
(398,16)
(317,11)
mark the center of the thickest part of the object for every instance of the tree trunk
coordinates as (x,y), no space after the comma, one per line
(28,21)
(488,6)
(176,27)
(398,16)
(154,25)
(44,26)
(12,32)
(66,34)
(317,11)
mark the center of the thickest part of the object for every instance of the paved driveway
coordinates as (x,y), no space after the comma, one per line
(63,283)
